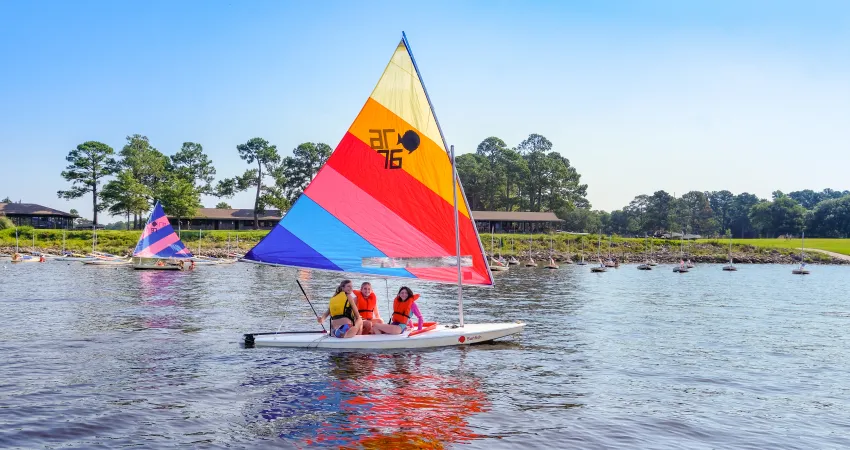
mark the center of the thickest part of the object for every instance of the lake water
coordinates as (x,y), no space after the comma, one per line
(99,357)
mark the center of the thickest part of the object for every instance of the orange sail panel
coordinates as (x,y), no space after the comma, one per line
(386,194)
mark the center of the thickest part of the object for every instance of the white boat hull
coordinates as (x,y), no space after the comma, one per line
(442,336)
(25,260)
(108,262)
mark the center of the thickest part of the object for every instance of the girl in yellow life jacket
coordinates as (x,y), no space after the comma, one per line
(403,307)
(342,309)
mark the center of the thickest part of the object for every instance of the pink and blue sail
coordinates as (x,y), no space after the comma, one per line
(159,240)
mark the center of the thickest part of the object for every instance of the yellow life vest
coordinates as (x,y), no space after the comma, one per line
(340,307)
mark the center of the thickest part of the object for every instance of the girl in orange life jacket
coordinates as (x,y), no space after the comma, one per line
(367,305)
(403,306)
(345,318)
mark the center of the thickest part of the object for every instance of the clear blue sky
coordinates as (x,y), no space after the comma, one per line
(639,95)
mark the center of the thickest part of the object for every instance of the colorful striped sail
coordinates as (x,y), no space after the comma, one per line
(159,240)
(383,202)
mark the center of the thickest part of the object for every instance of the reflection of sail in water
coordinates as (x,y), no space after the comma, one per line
(158,289)
(382,401)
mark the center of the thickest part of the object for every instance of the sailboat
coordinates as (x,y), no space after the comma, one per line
(512,261)
(646,265)
(387,203)
(802,269)
(530,262)
(689,264)
(17,257)
(569,259)
(70,256)
(652,261)
(207,260)
(601,267)
(610,262)
(496,264)
(731,266)
(551,264)
(159,247)
(103,259)
(581,262)
(681,268)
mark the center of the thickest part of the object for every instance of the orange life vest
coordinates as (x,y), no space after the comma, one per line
(366,305)
(401,309)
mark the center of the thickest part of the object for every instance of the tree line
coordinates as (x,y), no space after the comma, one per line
(722,213)
(528,177)
(127,183)
(496,177)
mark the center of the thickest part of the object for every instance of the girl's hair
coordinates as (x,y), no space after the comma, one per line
(405,288)
(341,286)
(365,283)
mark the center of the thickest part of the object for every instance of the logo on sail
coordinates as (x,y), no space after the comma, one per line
(410,141)
(379,141)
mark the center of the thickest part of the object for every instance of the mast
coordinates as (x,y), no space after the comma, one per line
(730,248)
(17,249)
(582,249)
(457,232)
(599,246)
(492,251)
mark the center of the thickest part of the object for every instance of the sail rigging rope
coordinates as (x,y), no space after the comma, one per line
(284,311)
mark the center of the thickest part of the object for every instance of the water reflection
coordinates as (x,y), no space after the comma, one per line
(373,401)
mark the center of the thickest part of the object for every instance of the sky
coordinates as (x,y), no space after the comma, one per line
(749,96)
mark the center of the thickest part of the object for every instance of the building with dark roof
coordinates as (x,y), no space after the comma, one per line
(517,221)
(228,219)
(499,221)
(30,214)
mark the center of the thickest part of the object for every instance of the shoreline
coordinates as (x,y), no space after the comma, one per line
(540,247)
(765,256)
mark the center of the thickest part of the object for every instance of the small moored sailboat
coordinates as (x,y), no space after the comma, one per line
(512,261)
(646,264)
(581,261)
(731,266)
(530,261)
(601,267)
(496,264)
(802,269)
(551,264)
(682,267)
(159,247)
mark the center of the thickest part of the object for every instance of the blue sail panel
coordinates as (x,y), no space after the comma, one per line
(282,247)
(309,236)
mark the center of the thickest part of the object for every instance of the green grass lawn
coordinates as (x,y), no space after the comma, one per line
(121,242)
(833,245)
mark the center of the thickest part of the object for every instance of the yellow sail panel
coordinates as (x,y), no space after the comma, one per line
(401,91)
(404,147)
